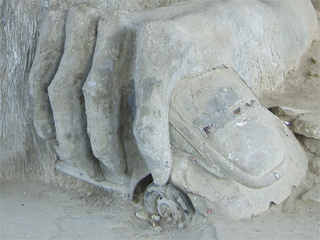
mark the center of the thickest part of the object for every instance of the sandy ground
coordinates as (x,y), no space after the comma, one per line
(31,209)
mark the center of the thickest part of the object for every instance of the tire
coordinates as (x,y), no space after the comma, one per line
(168,201)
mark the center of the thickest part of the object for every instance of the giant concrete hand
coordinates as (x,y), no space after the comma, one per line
(171,84)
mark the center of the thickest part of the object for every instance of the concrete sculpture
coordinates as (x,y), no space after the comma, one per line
(171,92)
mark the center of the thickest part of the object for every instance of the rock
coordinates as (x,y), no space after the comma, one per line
(287,114)
(313,145)
(312,194)
(314,70)
(142,215)
(22,151)
(155,218)
(308,125)
(314,166)
(158,229)
(180,225)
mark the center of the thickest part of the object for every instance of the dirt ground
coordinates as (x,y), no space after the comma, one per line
(32,209)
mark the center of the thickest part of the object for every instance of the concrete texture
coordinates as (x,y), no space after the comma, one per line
(114,84)
(33,210)
(44,68)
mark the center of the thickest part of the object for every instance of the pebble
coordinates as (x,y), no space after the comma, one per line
(156,218)
(158,229)
(180,226)
(142,215)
